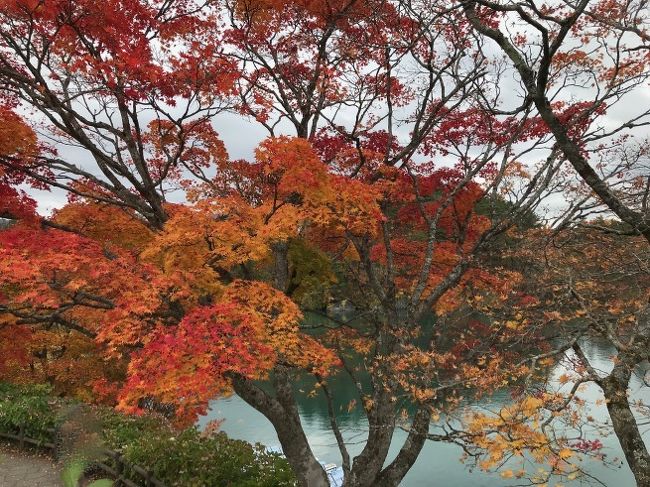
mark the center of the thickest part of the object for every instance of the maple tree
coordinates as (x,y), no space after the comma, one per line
(585,284)
(593,56)
(18,142)
(180,274)
(601,291)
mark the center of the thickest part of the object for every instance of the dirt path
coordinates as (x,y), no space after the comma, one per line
(22,469)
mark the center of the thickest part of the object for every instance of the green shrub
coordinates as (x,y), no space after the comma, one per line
(30,406)
(120,430)
(178,458)
(188,459)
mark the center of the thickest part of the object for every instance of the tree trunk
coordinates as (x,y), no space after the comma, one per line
(283,414)
(382,415)
(381,425)
(394,473)
(625,425)
(281,265)
(281,409)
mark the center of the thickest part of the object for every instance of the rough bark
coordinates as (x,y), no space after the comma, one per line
(281,265)
(624,423)
(367,465)
(394,473)
(368,468)
(282,412)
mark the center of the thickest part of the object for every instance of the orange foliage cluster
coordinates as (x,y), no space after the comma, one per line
(249,330)
(168,303)
(19,144)
(514,433)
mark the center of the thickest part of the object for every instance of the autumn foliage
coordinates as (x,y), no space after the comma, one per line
(395,183)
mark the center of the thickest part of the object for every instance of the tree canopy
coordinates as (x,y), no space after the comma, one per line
(404,173)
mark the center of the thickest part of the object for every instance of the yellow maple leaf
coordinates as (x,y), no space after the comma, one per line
(507,474)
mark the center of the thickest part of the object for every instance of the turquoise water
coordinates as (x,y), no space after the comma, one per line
(439,463)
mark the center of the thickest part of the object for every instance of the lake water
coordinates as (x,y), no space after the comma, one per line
(439,463)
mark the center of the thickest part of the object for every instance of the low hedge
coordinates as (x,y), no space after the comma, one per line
(28,406)
(188,458)
(184,458)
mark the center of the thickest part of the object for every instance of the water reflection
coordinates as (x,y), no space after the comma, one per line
(439,464)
